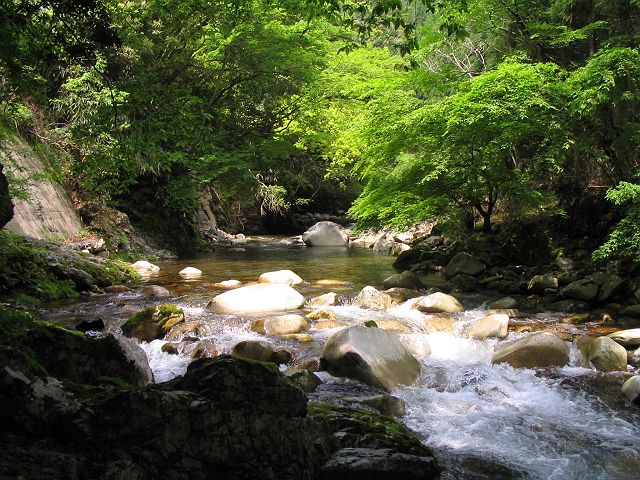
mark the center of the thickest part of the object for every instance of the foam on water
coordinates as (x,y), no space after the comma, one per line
(463,404)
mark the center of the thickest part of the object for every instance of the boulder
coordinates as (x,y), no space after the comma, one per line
(506,303)
(584,289)
(6,207)
(327,300)
(612,286)
(145,268)
(416,343)
(373,299)
(539,283)
(603,353)
(631,389)
(205,349)
(378,464)
(385,404)
(190,272)
(307,381)
(155,291)
(193,328)
(117,289)
(322,313)
(393,325)
(406,279)
(326,234)
(327,324)
(286,277)
(494,325)
(82,280)
(464,264)
(263,297)
(153,322)
(407,259)
(261,351)
(542,349)
(627,338)
(632,311)
(371,355)
(285,325)
(439,303)
(401,295)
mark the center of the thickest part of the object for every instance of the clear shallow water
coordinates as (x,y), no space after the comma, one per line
(565,424)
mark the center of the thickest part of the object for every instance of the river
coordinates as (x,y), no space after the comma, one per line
(483,420)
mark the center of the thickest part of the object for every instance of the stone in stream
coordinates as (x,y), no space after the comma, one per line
(286,277)
(439,303)
(542,349)
(506,303)
(153,322)
(464,264)
(117,289)
(416,343)
(393,325)
(145,268)
(261,351)
(326,234)
(192,328)
(584,289)
(228,284)
(155,291)
(406,279)
(540,283)
(285,325)
(306,380)
(328,324)
(631,389)
(494,325)
(263,297)
(373,356)
(603,353)
(327,300)
(190,272)
(627,338)
(385,404)
(401,295)
(370,297)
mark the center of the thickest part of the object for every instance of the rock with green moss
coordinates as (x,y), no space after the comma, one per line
(153,322)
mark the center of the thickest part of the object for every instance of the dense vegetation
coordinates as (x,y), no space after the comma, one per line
(456,110)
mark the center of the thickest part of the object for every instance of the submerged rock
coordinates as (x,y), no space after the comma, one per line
(265,297)
(371,355)
(286,277)
(326,234)
(537,350)
(285,325)
(156,291)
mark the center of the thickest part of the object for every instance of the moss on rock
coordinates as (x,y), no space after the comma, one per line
(153,322)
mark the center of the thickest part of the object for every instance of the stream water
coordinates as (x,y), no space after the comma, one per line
(484,421)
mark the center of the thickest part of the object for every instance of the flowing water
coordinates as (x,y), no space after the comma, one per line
(483,421)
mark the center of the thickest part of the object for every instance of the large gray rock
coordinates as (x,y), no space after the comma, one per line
(403,280)
(371,355)
(439,303)
(263,297)
(378,464)
(373,299)
(537,350)
(492,325)
(627,338)
(540,283)
(326,234)
(585,290)
(464,264)
(631,389)
(6,206)
(603,353)
(613,285)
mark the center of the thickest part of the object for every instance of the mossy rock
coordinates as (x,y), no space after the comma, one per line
(366,429)
(153,322)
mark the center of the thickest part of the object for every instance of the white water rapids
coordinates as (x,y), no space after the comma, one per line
(462,405)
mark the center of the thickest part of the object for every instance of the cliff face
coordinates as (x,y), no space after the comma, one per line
(48,211)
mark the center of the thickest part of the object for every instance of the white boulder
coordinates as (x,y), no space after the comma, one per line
(262,297)
(325,234)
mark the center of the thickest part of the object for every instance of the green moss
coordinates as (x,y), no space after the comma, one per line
(113,272)
(370,324)
(166,310)
(116,382)
(53,290)
(379,429)
(272,367)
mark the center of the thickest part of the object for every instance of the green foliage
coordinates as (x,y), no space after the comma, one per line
(624,240)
